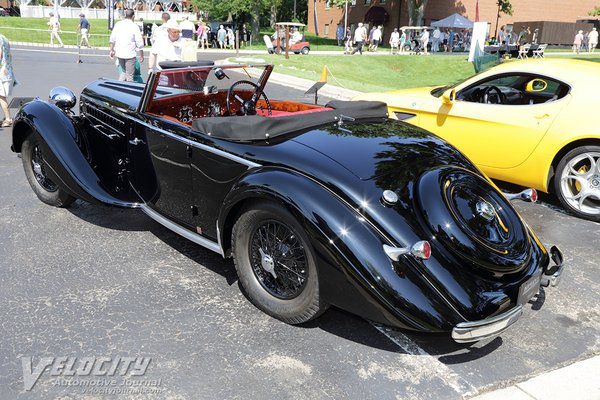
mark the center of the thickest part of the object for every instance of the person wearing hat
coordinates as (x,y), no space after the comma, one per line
(84,29)
(187,28)
(592,40)
(54,25)
(166,48)
(360,35)
(125,42)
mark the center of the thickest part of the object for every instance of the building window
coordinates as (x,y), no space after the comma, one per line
(353,3)
(328,4)
(381,1)
(326,30)
(367,2)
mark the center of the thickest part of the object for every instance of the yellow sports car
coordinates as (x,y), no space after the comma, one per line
(535,123)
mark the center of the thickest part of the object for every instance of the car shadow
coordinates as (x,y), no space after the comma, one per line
(334,321)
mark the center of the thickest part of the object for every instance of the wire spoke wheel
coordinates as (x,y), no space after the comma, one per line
(37,166)
(278,260)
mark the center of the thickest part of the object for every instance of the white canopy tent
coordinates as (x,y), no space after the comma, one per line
(454,21)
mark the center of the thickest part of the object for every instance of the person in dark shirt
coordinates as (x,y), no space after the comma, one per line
(84,29)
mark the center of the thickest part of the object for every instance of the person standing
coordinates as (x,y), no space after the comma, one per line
(7,80)
(592,40)
(84,30)
(577,42)
(450,41)
(199,34)
(187,28)
(394,41)
(339,34)
(166,48)
(158,31)
(348,48)
(125,42)
(221,35)
(425,40)
(54,25)
(523,36)
(360,35)
(403,41)
(376,38)
(435,44)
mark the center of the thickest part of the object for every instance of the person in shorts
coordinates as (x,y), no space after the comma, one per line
(7,80)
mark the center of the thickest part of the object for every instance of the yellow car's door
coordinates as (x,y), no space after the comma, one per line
(492,135)
(496,121)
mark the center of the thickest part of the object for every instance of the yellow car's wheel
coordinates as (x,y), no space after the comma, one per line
(577,182)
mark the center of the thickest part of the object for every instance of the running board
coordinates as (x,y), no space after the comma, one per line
(194,237)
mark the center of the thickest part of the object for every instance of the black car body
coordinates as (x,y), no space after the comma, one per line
(318,205)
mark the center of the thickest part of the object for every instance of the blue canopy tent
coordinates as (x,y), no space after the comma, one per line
(454,21)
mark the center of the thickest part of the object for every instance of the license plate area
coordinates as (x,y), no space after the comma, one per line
(529,288)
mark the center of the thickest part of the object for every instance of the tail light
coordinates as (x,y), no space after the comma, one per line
(421,250)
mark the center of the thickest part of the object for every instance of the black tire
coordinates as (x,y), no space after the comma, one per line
(305,50)
(266,289)
(581,201)
(44,188)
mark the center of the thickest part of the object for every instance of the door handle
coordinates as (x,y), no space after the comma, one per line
(541,116)
(136,141)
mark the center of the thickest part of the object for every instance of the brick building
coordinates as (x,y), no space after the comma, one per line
(394,13)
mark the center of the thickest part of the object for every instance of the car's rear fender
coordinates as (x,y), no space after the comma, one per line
(355,273)
(66,163)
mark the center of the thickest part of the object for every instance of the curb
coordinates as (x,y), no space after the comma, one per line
(580,381)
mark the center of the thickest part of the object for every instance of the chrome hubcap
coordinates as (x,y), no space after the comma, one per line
(268,263)
(580,183)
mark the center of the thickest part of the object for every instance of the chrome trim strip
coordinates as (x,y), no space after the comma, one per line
(249,164)
(204,242)
(474,331)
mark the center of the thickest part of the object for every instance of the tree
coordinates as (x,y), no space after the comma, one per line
(504,7)
(416,9)
(595,12)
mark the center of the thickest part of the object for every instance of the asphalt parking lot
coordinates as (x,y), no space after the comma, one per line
(91,281)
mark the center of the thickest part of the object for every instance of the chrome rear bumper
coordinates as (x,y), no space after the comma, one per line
(466,332)
(473,331)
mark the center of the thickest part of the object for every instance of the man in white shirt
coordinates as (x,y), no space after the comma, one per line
(360,34)
(54,25)
(592,40)
(158,31)
(166,48)
(125,42)
(435,45)
(425,40)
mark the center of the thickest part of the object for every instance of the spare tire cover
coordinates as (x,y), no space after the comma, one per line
(470,218)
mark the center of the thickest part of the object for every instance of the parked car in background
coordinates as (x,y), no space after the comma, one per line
(533,123)
(318,205)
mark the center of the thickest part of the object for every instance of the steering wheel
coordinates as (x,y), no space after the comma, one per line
(487,96)
(247,107)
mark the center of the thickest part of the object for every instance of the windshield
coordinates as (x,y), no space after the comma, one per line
(438,91)
(204,79)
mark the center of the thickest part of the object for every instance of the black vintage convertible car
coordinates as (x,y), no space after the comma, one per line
(317,205)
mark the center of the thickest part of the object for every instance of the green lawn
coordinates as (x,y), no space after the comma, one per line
(374,73)
(98,26)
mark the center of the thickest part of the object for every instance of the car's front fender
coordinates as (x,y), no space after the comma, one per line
(355,273)
(63,151)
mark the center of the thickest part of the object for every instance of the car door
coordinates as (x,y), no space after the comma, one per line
(495,135)
(161,174)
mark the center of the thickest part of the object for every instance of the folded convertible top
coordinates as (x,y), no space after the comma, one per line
(255,127)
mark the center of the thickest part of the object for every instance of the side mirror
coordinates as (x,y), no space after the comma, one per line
(449,96)
(536,85)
